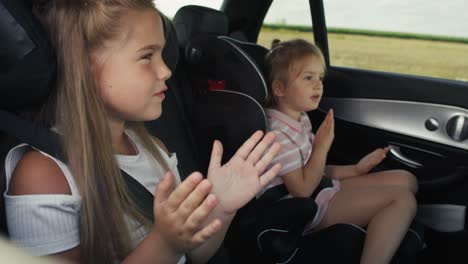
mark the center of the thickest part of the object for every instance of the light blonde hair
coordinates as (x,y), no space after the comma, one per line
(77,28)
(282,57)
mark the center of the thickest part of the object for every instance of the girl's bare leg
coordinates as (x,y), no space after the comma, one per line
(399,178)
(387,212)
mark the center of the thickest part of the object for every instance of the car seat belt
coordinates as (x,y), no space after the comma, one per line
(47,141)
(25,131)
(140,195)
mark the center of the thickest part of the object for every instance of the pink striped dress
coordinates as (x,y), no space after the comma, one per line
(296,139)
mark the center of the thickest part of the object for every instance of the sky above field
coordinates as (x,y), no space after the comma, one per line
(435,17)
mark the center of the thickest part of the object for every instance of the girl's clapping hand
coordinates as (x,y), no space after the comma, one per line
(180,214)
(242,177)
(325,133)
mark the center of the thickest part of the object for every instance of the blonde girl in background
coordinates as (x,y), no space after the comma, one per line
(383,201)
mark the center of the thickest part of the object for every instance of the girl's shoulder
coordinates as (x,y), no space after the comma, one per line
(35,173)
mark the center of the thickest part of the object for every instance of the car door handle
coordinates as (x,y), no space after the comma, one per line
(396,154)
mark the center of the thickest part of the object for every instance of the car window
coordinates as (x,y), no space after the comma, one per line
(418,37)
(286,20)
(170,7)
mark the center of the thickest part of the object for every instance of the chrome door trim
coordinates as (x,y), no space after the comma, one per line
(396,152)
(402,117)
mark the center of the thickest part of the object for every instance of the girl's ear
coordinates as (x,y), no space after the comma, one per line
(278,88)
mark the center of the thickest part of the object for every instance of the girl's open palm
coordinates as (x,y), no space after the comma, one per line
(242,177)
(325,133)
(371,160)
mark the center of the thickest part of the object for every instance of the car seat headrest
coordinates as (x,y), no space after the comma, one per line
(215,60)
(256,52)
(27,63)
(192,20)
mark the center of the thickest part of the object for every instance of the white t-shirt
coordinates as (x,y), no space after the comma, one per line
(49,223)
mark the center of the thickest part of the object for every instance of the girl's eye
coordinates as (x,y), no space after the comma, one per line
(147,56)
(308,77)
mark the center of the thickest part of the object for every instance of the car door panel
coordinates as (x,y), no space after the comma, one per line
(377,109)
(432,122)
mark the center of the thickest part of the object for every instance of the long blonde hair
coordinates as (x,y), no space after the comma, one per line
(77,28)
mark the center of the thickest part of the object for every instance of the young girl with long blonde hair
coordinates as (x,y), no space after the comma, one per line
(383,201)
(110,78)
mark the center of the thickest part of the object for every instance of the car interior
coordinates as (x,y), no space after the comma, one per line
(217,90)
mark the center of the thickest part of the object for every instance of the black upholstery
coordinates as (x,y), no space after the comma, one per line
(214,58)
(228,116)
(201,27)
(191,21)
(255,51)
(26,60)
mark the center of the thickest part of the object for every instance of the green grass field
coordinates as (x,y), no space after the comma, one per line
(434,58)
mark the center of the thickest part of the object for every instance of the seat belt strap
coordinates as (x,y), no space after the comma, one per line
(143,198)
(25,131)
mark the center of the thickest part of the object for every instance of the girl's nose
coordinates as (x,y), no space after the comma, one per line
(162,71)
(318,85)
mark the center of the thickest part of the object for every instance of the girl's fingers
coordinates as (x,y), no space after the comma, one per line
(244,151)
(379,154)
(269,175)
(383,153)
(183,190)
(329,116)
(268,157)
(193,201)
(196,219)
(386,150)
(325,122)
(163,189)
(258,151)
(328,120)
(216,155)
(207,232)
